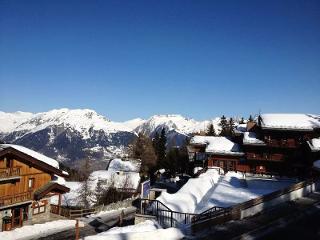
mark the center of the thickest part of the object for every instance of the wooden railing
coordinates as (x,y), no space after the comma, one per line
(265,157)
(71,213)
(16,198)
(9,172)
(282,143)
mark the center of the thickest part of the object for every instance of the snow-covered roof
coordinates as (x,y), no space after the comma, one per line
(290,121)
(128,166)
(217,145)
(314,144)
(129,180)
(241,128)
(250,138)
(31,153)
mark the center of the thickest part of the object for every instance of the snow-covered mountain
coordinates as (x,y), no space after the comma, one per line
(177,127)
(70,135)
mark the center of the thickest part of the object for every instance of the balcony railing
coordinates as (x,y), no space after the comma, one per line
(282,143)
(265,157)
(9,172)
(16,198)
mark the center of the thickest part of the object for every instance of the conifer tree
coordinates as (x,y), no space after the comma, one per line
(210,130)
(231,127)
(162,146)
(250,118)
(224,126)
(241,121)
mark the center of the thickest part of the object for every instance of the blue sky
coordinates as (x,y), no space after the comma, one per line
(128,59)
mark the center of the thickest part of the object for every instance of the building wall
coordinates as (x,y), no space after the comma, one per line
(22,185)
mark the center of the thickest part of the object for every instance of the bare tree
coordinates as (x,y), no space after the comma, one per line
(85,191)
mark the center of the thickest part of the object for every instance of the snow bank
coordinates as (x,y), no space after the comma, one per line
(38,230)
(34,154)
(219,145)
(144,230)
(289,121)
(128,166)
(191,194)
(211,189)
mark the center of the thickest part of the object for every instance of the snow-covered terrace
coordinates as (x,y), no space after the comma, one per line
(290,121)
(250,138)
(217,145)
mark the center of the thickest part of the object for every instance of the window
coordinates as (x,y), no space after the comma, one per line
(31,183)
(38,207)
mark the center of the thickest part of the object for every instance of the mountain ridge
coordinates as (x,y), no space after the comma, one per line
(70,135)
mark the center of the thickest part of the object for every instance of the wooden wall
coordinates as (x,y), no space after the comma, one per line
(26,172)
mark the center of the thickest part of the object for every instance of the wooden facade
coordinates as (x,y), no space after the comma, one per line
(21,176)
(277,151)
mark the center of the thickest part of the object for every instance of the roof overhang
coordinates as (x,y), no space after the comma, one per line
(31,161)
(48,188)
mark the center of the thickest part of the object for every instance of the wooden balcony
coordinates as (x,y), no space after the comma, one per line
(16,198)
(265,157)
(6,173)
(281,143)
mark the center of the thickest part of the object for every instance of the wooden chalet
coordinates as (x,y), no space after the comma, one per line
(27,181)
(274,143)
(213,151)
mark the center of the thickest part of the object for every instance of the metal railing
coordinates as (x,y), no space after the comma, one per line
(164,215)
(211,213)
(9,172)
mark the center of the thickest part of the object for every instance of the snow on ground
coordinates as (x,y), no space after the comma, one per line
(211,189)
(34,154)
(128,166)
(143,230)
(38,230)
(217,144)
(289,121)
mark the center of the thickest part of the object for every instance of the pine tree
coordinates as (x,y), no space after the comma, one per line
(250,118)
(99,191)
(162,146)
(224,126)
(231,127)
(241,121)
(210,130)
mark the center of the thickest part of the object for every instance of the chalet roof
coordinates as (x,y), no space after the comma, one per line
(314,144)
(50,187)
(217,145)
(250,138)
(34,157)
(289,121)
